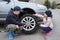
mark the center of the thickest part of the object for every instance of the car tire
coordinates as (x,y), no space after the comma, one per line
(30,23)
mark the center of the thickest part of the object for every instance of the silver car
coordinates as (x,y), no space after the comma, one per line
(26,17)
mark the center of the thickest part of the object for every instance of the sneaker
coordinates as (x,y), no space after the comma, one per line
(10,36)
(49,33)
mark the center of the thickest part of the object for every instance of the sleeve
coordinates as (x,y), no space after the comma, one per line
(39,15)
(46,23)
(14,21)
(42,25)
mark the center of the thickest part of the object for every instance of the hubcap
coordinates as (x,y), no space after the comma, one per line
(29,23)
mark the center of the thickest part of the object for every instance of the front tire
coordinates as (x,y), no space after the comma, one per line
(30,23)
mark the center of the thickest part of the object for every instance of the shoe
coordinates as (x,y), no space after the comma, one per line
(10,36)
(49,33)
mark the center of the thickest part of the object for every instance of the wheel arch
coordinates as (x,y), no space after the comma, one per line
(29,11)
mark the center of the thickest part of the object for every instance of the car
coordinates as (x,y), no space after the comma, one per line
(26,16)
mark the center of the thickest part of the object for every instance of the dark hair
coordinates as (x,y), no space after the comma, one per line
(49,13)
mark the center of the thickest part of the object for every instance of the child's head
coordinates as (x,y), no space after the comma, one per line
(17,10)
(48,13)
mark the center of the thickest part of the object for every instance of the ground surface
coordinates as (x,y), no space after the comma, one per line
(38,35)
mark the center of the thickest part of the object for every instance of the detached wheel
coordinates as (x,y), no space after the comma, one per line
(30,23)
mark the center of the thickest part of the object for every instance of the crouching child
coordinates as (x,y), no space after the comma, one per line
(13,23)
(47,25)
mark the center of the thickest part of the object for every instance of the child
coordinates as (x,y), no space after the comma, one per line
(47,22)
(12,22)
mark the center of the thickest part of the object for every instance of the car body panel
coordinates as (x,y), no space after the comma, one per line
(5,7)
(32,6)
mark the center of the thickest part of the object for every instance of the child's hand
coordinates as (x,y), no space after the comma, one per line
(17,27)
(33,15)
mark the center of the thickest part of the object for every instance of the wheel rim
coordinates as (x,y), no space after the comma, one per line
(29,23)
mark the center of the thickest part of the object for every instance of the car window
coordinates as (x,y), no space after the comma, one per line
(24,0)
(5,0)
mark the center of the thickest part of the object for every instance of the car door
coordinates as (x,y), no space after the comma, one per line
(5,6)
